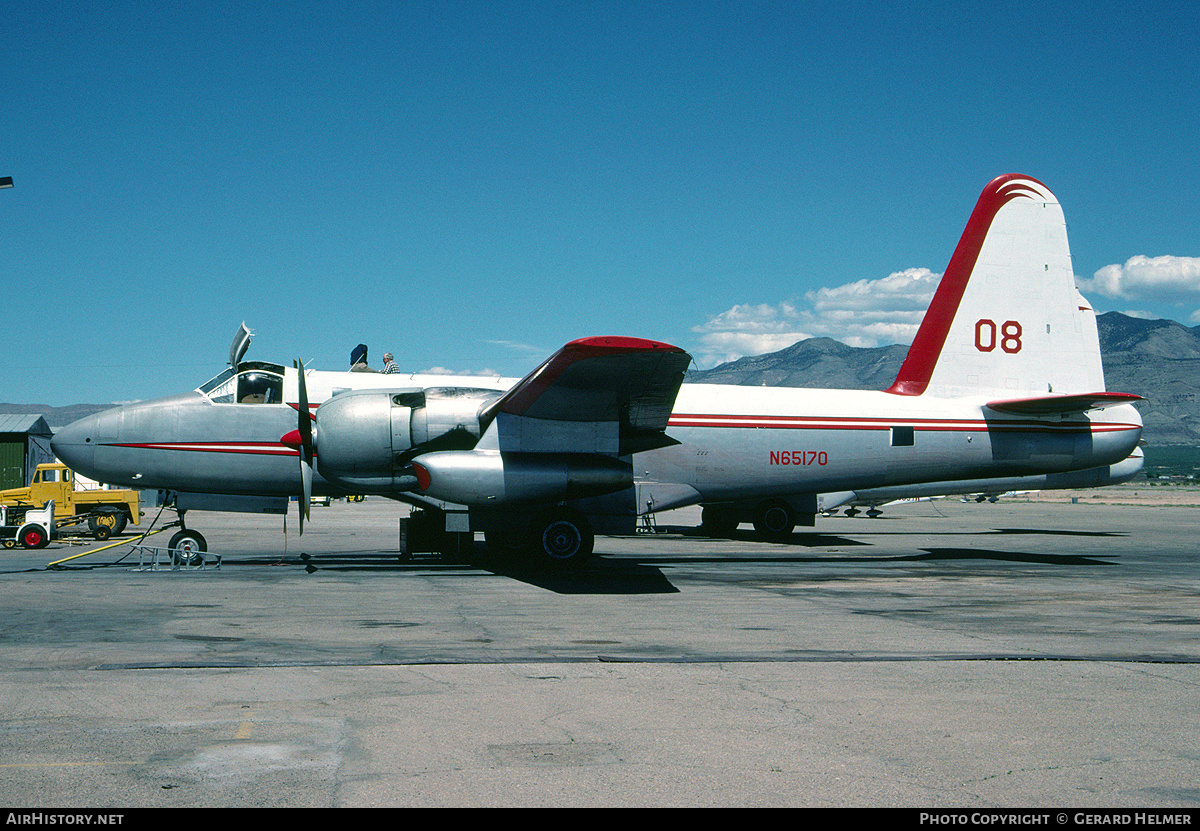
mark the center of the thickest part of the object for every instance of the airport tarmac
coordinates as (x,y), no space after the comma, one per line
(946,655)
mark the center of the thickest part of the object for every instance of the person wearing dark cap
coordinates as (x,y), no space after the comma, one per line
(358,359)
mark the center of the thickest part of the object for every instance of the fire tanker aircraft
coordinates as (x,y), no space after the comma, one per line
(1003,380)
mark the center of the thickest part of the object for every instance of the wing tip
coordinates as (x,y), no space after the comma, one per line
(621,343)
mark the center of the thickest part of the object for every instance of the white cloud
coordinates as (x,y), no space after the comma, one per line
(441,370)
(863,313)
(1158,278)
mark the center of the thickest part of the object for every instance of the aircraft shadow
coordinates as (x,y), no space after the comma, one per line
(817,539)
(600,576)
(809,539)
(1059,532)
(930,555)
(1005,556)
(897,532)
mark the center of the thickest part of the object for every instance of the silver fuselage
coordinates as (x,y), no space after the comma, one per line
(734,443)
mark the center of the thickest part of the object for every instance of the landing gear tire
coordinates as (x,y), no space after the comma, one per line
(562,539)
(720,523)
(774,520)
(187,549)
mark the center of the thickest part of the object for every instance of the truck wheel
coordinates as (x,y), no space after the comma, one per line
(10,543)
(102,532)
(187,548)
(35,536)
(113,520)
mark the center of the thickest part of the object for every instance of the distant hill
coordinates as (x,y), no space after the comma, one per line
(56,417)
(818,363)
(1158,359)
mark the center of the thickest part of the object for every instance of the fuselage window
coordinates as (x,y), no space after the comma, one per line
(903,436)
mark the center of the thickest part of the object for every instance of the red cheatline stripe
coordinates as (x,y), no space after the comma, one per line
(922,424)
(262,448)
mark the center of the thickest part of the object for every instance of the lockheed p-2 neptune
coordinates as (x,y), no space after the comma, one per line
(1003,381)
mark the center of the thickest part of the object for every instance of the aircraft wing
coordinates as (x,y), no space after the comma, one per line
(1043,405)
(561,431)
(628,385)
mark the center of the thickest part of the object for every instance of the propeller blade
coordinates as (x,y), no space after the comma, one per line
(305,428)
(306,496)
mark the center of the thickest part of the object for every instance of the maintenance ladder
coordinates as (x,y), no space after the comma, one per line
(157,558)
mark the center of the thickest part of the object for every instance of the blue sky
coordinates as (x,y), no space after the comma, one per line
(470,185)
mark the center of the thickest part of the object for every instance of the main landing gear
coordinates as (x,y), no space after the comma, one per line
(558,538)
(774,520)
(561,538)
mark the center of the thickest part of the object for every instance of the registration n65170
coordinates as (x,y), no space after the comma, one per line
(799,457)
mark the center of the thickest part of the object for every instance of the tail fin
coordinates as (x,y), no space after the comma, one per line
(1006,318)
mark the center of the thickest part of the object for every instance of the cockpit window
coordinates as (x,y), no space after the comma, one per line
(254,383)
(259,388)
(207,388)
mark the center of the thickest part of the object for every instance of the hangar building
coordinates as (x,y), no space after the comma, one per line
(24,444)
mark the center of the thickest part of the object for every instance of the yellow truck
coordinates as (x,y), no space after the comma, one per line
(106,512)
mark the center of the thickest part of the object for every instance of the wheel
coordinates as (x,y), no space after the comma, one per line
(10,543)
(113,520)
(774,520)
(102,532)
(34,536)
(187,548)
(717,521)
(563,538)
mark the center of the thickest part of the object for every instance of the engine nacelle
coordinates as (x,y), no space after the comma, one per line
(366,438)
(481,477)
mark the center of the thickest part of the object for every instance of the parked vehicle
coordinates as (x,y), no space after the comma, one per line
(106,512)
(31,527)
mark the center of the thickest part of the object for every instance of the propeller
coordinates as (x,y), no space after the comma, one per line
(302,439)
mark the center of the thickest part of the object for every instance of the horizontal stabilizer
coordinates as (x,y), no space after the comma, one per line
(1062,404)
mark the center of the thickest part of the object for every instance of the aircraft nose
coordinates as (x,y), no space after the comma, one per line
(76,443)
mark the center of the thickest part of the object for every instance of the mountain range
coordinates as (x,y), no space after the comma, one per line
(1157,359)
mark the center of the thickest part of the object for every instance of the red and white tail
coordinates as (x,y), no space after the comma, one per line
(1007,319)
